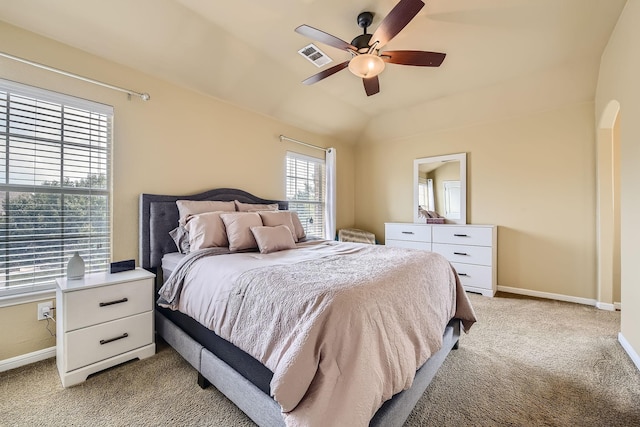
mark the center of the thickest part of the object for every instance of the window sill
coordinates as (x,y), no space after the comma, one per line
(27,297)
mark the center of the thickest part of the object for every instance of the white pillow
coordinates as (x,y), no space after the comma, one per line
(273,239)
(238,226)
(297,225)
(206,230)
(255,207)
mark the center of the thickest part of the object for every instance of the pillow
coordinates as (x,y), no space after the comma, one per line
(273,239)
(271,219)
(195,207)
(180,236)
(206,230)
(254,207)
(297,225)
(238,227)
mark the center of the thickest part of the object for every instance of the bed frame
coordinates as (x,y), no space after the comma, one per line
(158,216)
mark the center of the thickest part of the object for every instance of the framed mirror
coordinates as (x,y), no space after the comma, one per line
(440,189)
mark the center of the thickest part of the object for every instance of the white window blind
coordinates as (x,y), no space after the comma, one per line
(55,180)
(306,191)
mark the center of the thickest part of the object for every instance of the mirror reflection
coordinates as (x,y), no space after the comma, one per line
(440,189)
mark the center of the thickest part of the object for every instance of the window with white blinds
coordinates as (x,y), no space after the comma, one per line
(306,191)
(55,181)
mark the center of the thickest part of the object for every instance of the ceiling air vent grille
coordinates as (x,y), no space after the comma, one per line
(315,55)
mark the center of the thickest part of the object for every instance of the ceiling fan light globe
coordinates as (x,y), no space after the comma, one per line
(366,66)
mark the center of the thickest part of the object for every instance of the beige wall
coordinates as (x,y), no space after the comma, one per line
(180,142)
(533,176)
(618,80)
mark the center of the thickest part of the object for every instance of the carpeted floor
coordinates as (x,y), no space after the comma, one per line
(527,362)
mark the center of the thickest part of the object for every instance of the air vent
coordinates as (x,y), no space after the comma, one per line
(315,55)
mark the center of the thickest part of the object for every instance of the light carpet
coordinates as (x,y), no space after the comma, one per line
(527,362)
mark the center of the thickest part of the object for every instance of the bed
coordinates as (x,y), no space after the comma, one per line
(250,383)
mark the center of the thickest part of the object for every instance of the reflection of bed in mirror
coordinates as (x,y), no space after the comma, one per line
(440,188)
(242,378)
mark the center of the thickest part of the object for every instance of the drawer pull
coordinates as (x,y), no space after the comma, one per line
(407,232)
(462,274)
(460,253)
(461,235)
(102,342)
(104,304)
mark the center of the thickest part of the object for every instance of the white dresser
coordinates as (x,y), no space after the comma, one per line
(471,249)
(103,320)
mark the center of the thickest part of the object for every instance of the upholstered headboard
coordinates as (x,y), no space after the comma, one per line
(159,215)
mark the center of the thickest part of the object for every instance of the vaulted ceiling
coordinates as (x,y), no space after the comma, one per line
(504,57)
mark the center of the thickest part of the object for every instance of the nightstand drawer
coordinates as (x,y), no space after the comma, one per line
(425,246)
(91,306)
(477,236)
(476,276)
(89,345)
(479,255)
(412,232)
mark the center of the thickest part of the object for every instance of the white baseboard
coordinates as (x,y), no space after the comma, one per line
(618,305)
(26,359)
(605,306)
(630,351)
(548,295)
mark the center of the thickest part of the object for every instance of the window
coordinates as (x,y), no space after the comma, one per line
(55,180)
(306,191)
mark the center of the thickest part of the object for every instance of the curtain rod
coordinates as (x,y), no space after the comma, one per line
(283,138)
(144,96)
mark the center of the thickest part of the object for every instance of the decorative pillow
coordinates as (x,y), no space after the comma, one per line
(271,219)
(254,207)
(206,230)
(297,225)
(195,207)
(180,236)
(238,227)
(273,239)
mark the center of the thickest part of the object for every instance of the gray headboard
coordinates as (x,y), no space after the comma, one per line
(159,215)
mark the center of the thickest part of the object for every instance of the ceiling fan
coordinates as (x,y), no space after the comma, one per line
(367,61)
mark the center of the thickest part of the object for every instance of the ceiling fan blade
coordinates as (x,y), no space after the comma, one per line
(395,21)
(322,37)
(325,73)
(413,57)
(371,85)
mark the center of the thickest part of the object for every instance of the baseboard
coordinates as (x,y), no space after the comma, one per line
(27,359)
(630,351)
(618,305)
(605,306)
(547,295)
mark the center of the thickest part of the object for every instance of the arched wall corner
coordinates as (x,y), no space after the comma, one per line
(608,207)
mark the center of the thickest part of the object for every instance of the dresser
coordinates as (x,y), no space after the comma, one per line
(103,320)
(471,249)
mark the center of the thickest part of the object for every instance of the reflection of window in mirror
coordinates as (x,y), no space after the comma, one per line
(425,194)
(451,199)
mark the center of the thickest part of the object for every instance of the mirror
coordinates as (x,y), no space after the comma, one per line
(440,189)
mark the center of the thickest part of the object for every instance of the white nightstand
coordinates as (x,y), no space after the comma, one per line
(103,319)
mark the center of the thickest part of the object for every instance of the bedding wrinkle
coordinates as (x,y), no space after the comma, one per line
(342,326)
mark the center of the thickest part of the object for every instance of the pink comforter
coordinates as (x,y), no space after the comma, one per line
(343,327)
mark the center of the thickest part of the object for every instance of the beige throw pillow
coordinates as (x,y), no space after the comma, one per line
(273,239)
(195,207)
(255,207)
(206,230)
(238,226)
(297,225)
(271,219)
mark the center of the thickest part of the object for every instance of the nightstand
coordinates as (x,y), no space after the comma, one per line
(103,320)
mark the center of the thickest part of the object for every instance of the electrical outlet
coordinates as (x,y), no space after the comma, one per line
(45,307)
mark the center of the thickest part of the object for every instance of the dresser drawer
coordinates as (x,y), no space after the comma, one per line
(477,236)
(91,306)
(476,276)
(479,255)
(412,232)
(89,345)
(425,246)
